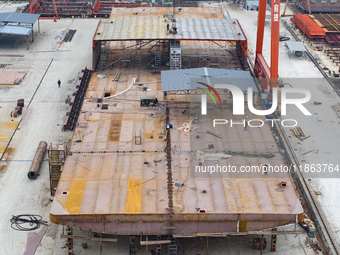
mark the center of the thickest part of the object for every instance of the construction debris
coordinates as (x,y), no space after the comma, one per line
(18,109)
(117,76)
(251,155)
(213,134)
(36,163)
(317,192)
(69,35)
(299,133)
(186,127)
(308,225)
(202,156)
(259,244)
(133,82)
(79,136)
(317,103)
(306,152)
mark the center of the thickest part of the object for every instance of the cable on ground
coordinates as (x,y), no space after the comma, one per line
(27,222)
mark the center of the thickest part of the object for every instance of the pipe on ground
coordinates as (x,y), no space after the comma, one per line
(39,155)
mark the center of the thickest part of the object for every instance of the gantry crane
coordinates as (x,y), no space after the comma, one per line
(269,75)
(35,4)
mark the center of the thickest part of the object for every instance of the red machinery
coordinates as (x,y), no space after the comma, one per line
(35,4)
(269,75)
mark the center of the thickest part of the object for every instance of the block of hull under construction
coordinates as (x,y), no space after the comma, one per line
(113,184)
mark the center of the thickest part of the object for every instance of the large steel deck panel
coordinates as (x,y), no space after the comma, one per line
(111,185)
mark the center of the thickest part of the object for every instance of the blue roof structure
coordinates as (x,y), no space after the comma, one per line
(186,79)
(16,17)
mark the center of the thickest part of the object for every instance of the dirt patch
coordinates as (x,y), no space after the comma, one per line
(8,153)
(7,156)
(2,167)
(115,126)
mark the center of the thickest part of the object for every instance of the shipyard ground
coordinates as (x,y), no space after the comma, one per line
(323,126)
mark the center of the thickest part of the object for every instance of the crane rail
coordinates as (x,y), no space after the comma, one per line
(319,217)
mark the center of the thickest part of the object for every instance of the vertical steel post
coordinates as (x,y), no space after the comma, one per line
(275,36)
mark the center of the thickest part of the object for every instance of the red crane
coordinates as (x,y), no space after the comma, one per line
(35,4)
(268,74)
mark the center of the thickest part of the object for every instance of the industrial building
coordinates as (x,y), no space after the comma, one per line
(135,106)
(322,6)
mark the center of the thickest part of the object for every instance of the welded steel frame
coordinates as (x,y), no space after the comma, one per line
(58,149)
(157,224)
(77,100)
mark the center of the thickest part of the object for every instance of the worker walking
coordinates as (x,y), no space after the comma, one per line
(167,27)
(59,83)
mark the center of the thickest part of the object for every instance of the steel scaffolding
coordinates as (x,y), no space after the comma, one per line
(175,55)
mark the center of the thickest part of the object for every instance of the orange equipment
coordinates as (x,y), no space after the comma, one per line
(268,74)
(35,4)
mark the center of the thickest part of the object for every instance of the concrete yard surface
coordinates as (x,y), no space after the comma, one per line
(45,62)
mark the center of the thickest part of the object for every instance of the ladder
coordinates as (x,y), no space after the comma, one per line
(103,60)
(138,54)
(158,56)
(172,247)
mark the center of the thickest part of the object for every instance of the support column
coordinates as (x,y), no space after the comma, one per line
(165,94)
(69,243)
(133,250)
(273,241)
(274,50)
(159,247)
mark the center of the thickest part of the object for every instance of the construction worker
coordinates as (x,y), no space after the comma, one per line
(59,83)
(167,27)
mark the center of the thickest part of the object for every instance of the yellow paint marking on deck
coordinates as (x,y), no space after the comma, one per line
(11,125)
(75,196)
(6,132)
(134,197)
